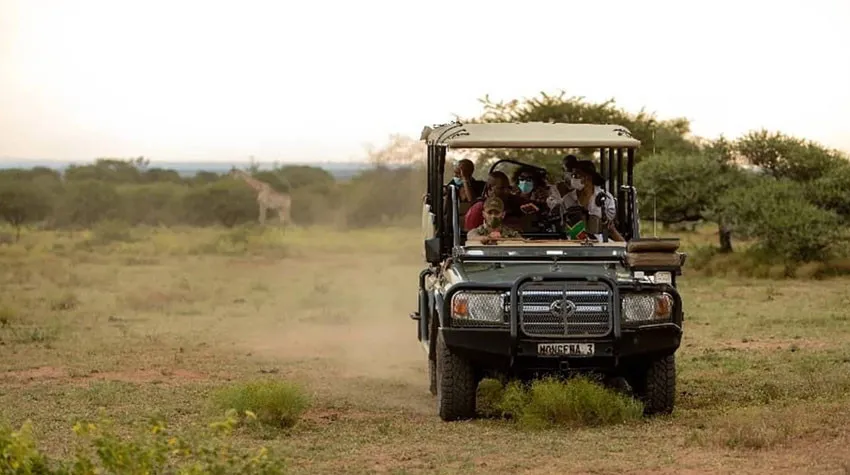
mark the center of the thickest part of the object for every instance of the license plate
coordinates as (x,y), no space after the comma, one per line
(565,349)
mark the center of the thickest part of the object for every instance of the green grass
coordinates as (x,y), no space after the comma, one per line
(275,403)
(151,326)
(549,403)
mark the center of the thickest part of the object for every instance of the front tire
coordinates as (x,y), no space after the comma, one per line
(432,376)
(455,384)
(656,386)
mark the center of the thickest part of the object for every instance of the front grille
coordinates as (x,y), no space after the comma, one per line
(565,309)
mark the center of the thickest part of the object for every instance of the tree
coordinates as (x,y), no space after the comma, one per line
(783,156)
(22,203)
(778,215)
(832,191)
(686,188)
(656,136)
(399,150)
(109,170)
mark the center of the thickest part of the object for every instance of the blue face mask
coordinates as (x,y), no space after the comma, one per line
(458,181)
(525,186)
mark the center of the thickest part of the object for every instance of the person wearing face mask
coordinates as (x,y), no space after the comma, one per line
(533,191)
(493,227)
(469,188)
(558,190)
(531,185)
(587,193)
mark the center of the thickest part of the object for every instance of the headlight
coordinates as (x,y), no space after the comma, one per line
(483,307)
(647,307)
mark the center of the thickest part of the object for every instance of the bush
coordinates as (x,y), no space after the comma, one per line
(227,202)
(87,202)
(686,188)
(155,450)
(830,192)
(787,226)
(275,403)
(109,231)
(381,196)
(154,204)
(578,402)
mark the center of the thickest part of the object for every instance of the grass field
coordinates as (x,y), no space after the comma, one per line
(144,321)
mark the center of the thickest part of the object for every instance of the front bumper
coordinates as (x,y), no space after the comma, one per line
(496,349)
(508,347)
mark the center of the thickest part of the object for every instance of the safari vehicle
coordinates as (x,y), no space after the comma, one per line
(545,304)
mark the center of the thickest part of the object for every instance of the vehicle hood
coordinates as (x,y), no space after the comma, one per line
(500,272)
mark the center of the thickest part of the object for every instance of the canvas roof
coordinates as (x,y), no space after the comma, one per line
(529,135)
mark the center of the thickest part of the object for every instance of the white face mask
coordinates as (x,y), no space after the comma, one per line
(577,184)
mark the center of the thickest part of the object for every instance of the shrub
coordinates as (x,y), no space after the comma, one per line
(154,204)
(87,202)
(109,231)
(155,450)
(578,402)
(275,403)
(227,202)
(777,213)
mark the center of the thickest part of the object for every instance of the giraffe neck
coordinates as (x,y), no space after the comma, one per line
(252,182)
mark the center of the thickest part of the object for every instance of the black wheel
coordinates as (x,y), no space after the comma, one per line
(655,385)
(432,376)
(455,384)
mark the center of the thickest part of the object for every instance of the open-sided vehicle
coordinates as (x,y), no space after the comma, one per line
(545,303)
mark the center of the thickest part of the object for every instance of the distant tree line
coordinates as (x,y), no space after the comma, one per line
(132,192)
(787,193)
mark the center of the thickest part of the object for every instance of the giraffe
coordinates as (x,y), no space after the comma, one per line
(268,198)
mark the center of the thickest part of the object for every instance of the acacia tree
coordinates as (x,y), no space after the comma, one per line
(656,136)
(783,156)
(22,203)
(688,188)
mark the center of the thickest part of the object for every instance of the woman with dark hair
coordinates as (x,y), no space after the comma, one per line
(530,185)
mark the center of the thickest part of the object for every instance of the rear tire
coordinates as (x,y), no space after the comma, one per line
(455,384)
(656,386)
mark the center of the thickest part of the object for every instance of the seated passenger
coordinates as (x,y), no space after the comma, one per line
(532,188)
(587,193)
(562,187)
(469,188)
(498,186)
(493,227)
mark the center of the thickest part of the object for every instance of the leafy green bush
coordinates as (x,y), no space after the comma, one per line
(831,192)
(227,202)
(684,188)
(154,204)
(778,215)
(109,231)
(87,202)
(577,402)
(275,403)
(156,450)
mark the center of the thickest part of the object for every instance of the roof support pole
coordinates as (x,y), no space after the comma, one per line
(619,191)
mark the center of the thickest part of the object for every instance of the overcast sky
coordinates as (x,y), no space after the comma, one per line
(316,80)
